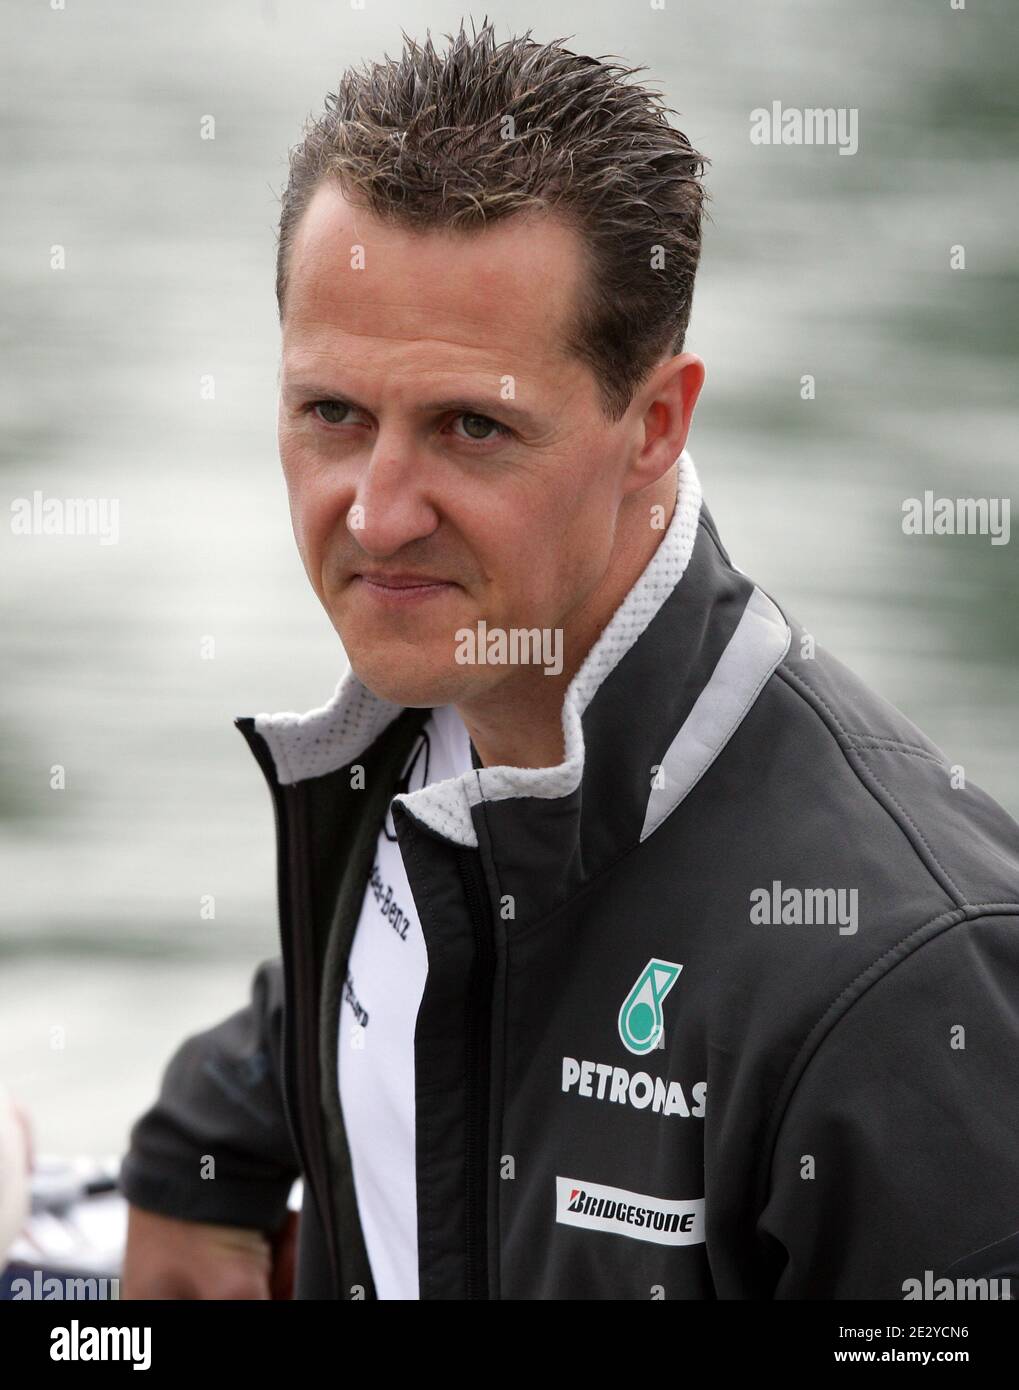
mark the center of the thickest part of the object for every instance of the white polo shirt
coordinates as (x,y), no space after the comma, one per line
(378,1014)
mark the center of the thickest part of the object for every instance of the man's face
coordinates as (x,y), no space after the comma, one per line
(431,428)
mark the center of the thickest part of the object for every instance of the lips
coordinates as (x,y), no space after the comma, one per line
(403,581)
(400,590)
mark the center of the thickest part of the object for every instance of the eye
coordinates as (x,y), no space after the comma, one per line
(478,428)
(471,421)
(318,407)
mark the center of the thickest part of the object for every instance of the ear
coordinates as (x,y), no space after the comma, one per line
(666,403)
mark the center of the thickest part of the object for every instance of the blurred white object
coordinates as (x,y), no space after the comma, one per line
(14,1188)
(58,1183)
(74,1232)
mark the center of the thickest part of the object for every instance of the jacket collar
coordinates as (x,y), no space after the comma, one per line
(675,697)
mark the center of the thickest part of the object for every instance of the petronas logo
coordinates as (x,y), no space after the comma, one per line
(640,1018)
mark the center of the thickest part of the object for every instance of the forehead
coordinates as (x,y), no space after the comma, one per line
(501,294)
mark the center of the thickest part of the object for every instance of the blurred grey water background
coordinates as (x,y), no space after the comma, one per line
(815,263)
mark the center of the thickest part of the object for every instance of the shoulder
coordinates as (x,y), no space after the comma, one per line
(965,841)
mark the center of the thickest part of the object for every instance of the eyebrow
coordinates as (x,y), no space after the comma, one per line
(469,404)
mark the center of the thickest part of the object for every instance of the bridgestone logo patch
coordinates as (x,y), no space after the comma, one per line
(622,1213)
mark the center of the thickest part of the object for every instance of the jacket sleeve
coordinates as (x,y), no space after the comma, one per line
(215,1145)
(896,1157)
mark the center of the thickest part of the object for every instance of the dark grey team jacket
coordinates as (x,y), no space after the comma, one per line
(726,1005)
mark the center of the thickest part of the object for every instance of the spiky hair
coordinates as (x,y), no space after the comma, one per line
(461,138)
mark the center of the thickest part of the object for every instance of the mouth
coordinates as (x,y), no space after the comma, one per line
(401,589)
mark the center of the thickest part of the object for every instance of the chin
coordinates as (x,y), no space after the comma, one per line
(412,681)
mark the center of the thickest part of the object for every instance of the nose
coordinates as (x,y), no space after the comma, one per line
(391,508)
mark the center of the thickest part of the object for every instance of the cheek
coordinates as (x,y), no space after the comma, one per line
(549,567)
(559,547)
(582,558)
(583,534)
(317,507)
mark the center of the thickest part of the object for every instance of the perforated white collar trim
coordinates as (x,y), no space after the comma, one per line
(330,737)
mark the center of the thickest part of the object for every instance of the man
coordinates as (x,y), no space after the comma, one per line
(631,947)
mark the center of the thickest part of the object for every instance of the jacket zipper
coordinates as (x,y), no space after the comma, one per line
(479,1012)
(300,994)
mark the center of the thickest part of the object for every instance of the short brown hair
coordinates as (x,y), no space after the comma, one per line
(462,138)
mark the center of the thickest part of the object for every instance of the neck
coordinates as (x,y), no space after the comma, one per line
(519,723)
